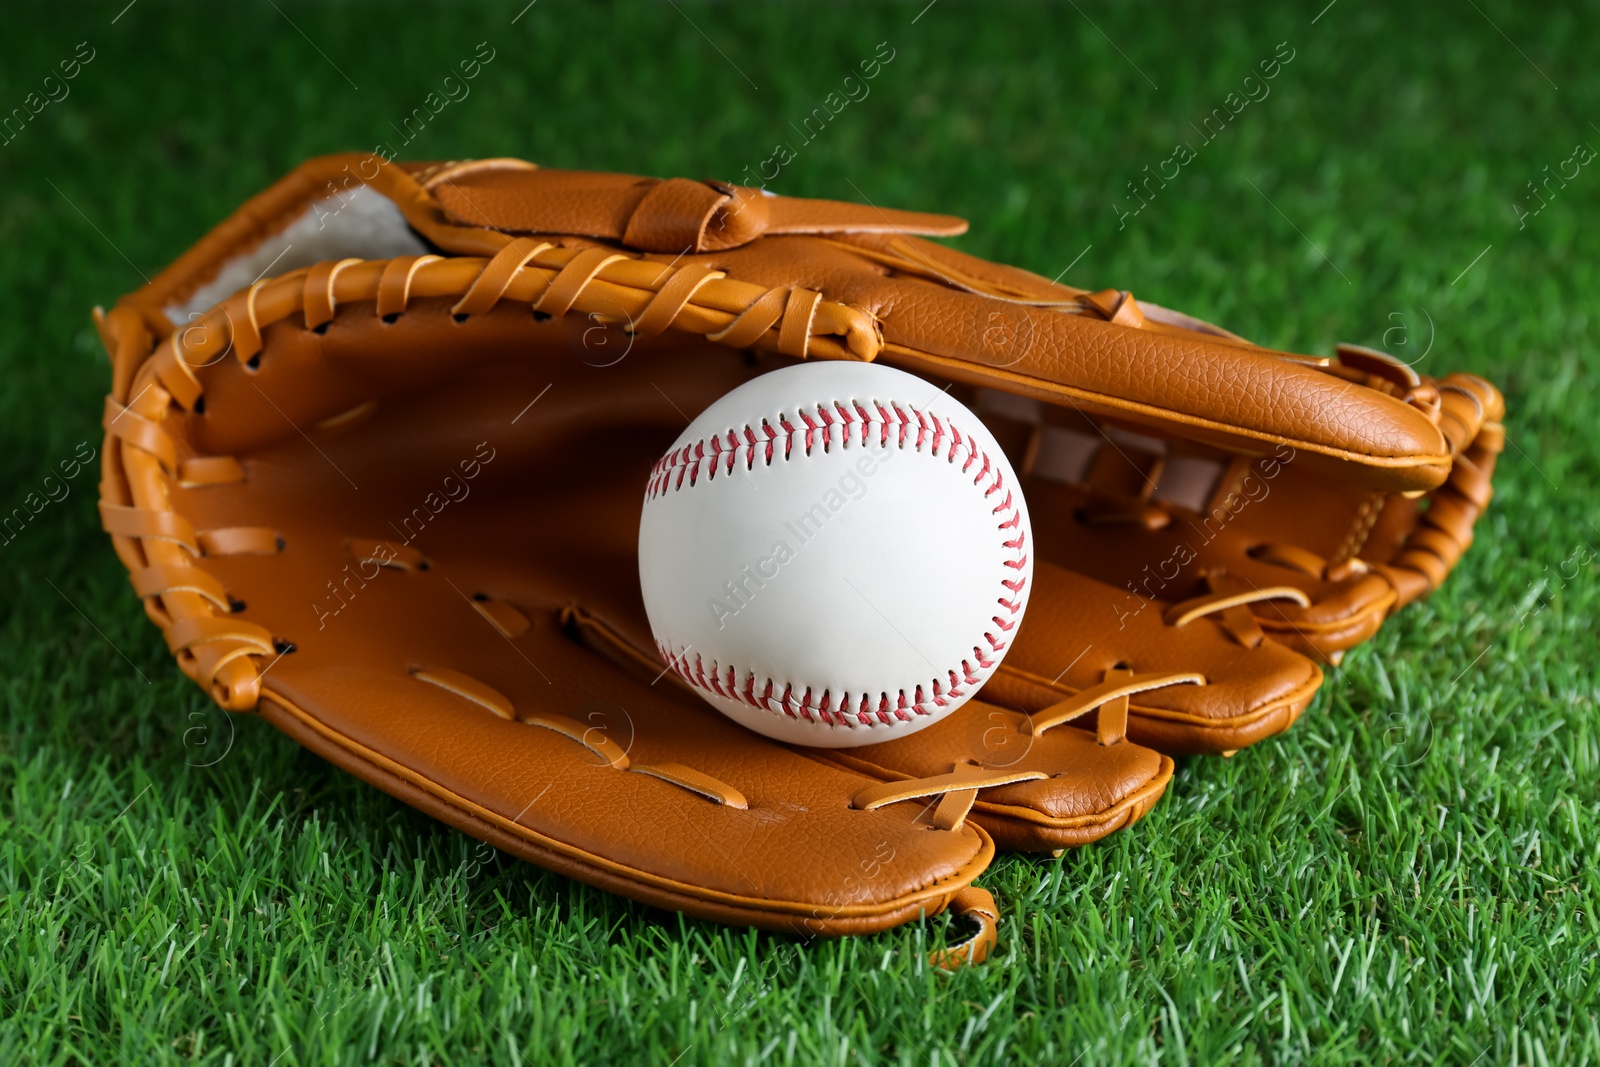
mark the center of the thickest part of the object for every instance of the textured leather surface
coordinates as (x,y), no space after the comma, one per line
(675,215)
(549,518)
(1359,555)
(275,478)
(1201,386)
(1080,629)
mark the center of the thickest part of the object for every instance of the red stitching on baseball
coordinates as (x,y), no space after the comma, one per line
(840,420)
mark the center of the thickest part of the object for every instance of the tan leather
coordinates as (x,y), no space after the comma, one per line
(939,312)
(253,417)
(652,215)
(275,482)
(440,670)
(1077,790)
(1356,555)
(1079,630)
(977,905)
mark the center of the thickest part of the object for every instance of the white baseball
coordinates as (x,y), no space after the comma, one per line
(835,554)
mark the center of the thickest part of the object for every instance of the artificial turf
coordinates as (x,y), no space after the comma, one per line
(1408,874)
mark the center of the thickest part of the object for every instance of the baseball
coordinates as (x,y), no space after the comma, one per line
(835,554)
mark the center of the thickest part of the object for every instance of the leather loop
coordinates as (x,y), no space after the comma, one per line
(673,296)
(951,811)
(1378,364)
(240,541)
(963,776)
(1425,398)
(743,217)
(231,678)
(591,737)
(1454,515)
(1182,614)
(673,216)
(160,578)
(469,688)
(569,284)
(496,276)
(394,285)
(1129,313)
(199,344)
(754,321)
(140,432)
(244,323)
(189,630)
(209,470)
(1460,415)
(794,334)
(317,302)
(175,373)
(696,782)
(1430,565)
(144,522)
(1116,307)
(1439,543)
(1111,724)
(1471,481)
(1242,625)
(1118,685)
(976,904)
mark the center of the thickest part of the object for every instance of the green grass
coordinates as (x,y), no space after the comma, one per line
(1409,874)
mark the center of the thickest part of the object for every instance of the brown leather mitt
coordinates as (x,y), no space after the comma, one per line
(376,452)
(1171,521)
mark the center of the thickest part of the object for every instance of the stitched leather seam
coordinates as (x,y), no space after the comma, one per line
(903,426)
(1360,528)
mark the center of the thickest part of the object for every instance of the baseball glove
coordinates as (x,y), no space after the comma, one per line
(376,451)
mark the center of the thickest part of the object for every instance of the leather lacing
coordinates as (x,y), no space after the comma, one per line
(599,636)
(957,791)
(159,546)
(1111,698)
(1121,482)
(593,738)
(1231,604)
(1455,404)
(613,288)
